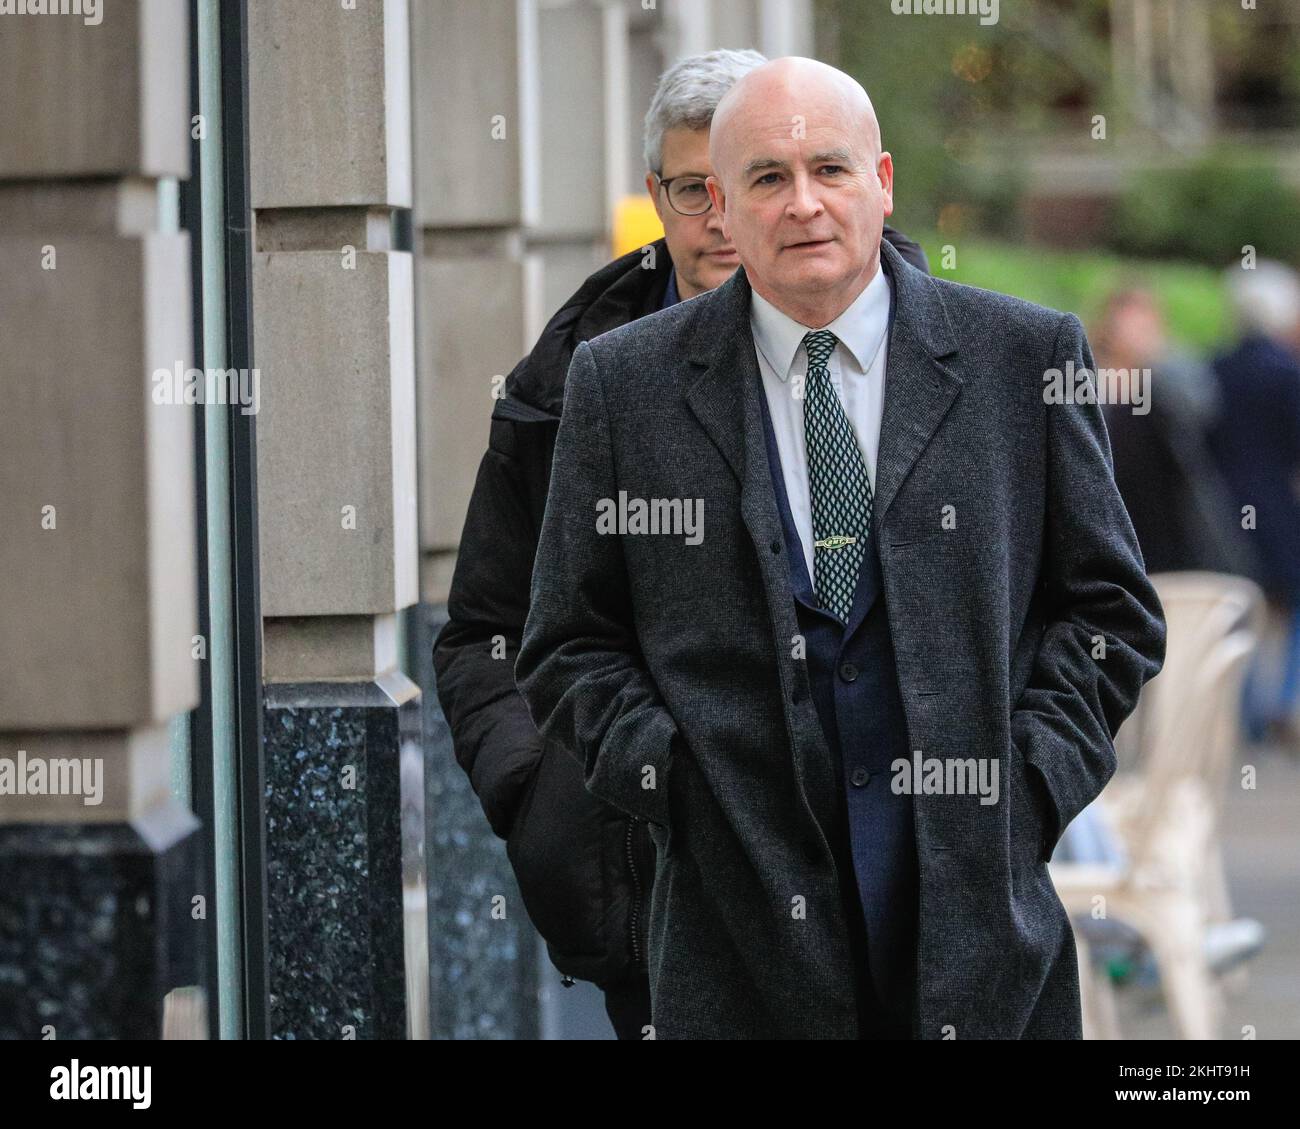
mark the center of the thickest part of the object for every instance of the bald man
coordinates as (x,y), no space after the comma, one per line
(830,595)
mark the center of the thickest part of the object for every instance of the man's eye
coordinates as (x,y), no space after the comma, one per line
(765,176)
(833,168)
(688,189)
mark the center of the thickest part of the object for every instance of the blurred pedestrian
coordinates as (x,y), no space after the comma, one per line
(1256,441)
(1171,486)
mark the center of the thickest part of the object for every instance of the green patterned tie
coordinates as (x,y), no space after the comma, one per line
(838,484)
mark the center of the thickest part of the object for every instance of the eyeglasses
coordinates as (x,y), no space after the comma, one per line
(687,194)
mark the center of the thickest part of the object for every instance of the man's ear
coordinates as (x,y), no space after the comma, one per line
(885,171)
(719,198)
(652,187)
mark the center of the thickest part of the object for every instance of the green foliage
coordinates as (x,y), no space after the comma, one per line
(949,92)
(1210,210)
(964,106)
(1192,296)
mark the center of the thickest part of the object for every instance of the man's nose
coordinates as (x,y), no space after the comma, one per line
(713,221)
(804,200)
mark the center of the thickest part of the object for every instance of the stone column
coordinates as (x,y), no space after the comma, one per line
(647,58)
(477,190)
(1163,68)
(785,27)
(330,139)
(583,93)
(99,865)
(775,27)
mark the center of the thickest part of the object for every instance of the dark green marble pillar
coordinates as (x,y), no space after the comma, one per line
(484,971)
(96,925)
(344,843)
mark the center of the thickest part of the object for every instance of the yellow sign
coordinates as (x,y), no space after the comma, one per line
(635,224)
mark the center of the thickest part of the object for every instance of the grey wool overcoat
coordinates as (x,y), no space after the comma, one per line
(1023,628)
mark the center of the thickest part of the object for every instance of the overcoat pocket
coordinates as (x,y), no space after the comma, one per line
(1029,807)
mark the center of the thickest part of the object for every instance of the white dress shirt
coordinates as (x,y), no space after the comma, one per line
(857,371)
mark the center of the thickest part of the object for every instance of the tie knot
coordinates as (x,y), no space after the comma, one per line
(820,344)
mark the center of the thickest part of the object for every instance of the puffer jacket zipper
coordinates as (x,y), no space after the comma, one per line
(634,917)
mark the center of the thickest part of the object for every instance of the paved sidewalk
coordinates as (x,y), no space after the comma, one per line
(1262,856)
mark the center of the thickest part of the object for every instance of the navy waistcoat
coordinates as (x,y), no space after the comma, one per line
(854,685)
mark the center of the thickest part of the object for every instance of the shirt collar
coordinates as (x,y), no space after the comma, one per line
(671,297)
(859,328)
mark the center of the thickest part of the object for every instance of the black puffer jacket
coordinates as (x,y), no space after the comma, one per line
(584,868)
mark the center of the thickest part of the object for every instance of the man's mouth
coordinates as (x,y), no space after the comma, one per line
(806,244)
(727,253)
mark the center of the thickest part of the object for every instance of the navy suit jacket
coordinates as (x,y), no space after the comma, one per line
(1256,441)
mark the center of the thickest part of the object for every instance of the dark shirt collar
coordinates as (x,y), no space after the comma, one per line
(670,295)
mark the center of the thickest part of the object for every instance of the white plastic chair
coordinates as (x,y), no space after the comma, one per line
(1167,882)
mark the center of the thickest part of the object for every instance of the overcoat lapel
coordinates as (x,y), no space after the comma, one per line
(918,389)
(728,390)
